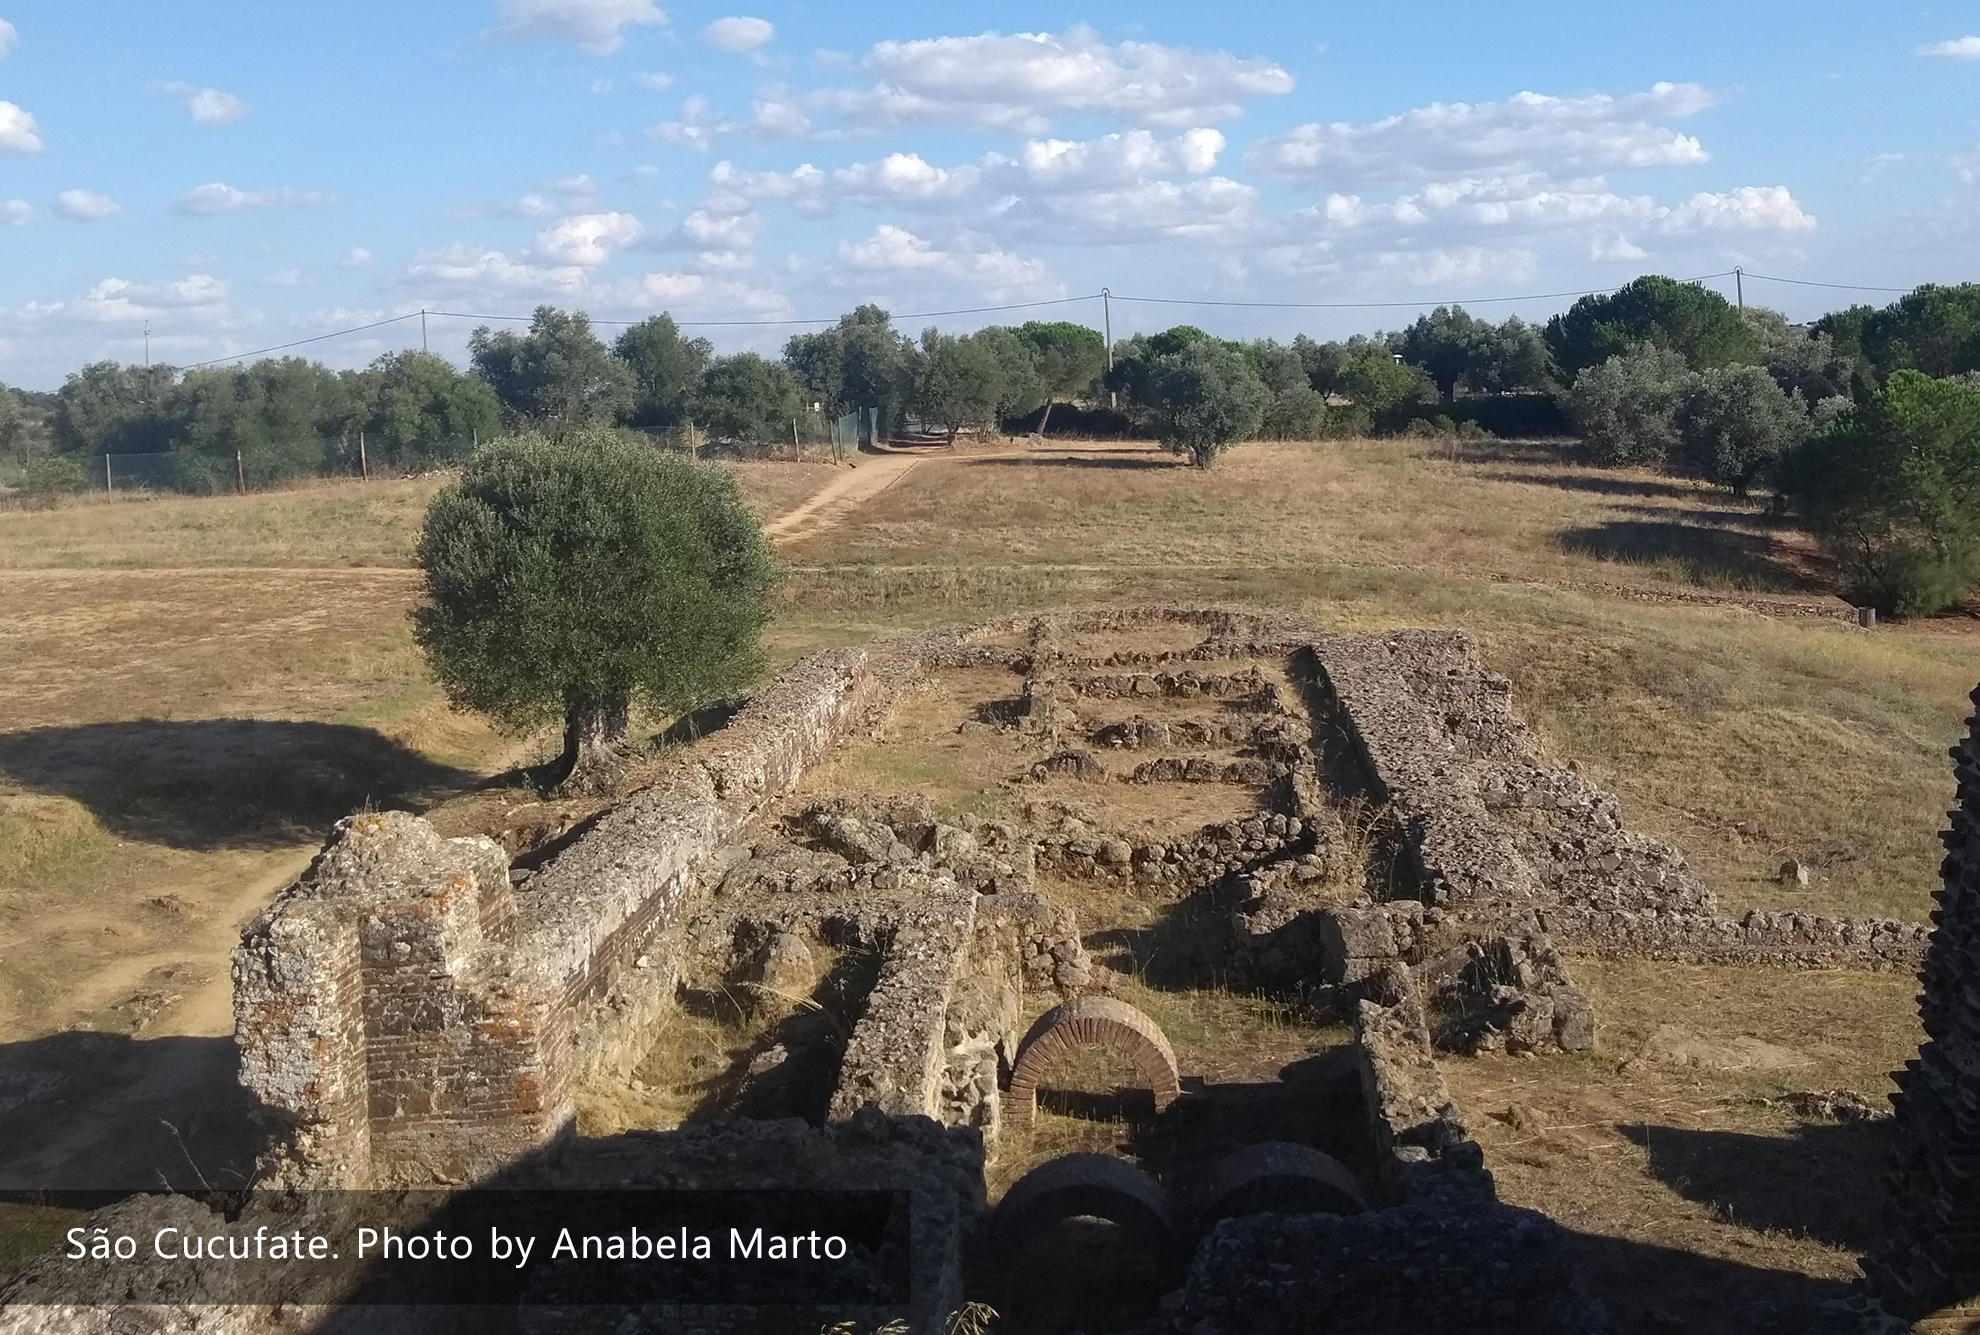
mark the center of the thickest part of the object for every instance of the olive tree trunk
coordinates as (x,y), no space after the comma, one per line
(595,728)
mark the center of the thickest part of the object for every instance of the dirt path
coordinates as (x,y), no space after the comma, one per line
(836,498)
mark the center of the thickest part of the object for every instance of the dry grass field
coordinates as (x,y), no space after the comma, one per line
(191,690)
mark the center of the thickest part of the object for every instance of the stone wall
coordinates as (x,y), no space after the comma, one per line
(404,977)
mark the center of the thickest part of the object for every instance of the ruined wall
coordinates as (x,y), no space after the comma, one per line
(403,976)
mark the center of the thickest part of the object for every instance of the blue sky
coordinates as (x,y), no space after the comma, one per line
(241,174)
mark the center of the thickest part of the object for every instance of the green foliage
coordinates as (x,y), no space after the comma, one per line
(743,397)
(54,475)
(571,577)
(1020,387)
(557,377)
(424,412)
(1379,385)
(1892,487)
(109,408)
(958,382)
(1804,362)
(859,363)
(1625,409)
(1456,349)
(1736,423)
(1294,410)
(1933,329)
(276,414)
(1069,359)
(1205,397)
(665,369)
(1699,325)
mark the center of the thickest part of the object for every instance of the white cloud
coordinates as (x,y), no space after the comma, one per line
(355,258)
(586,239)
(691,293)
(9,34)
(1119,157)
(1958,48)
(207,106)
(655,83)
(741,35)
(1020,80)
(14,212)
(18,131)
(1528,131)
(85,205)
(115,300)
(1751,208)
(480,270)
(1615,248)
(996,274)
(216,197)
(597,26)
(720,231)
(772,115)
(1967,165)
(291,277)
(1466,264)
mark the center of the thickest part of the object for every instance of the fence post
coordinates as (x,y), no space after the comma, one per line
(108,490)
(364,463)
(240,472)
(796,444)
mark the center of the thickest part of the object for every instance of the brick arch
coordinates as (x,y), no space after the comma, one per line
(1087,1022)
(1088,1186)
(1279,1177)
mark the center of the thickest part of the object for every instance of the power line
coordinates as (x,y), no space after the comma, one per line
(1845,287)
(280,347)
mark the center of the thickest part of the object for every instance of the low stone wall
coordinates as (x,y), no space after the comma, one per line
(1423,1149)
(405,1017)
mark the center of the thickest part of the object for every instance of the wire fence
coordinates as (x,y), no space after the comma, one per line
(208,472)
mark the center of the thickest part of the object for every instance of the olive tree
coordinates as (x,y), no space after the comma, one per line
(573,579)
(1735,423)
(1205,397)
(959,382)
(1625,408)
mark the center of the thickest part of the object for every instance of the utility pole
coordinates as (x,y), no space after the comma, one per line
(147,347)
(422,329)
(1107,315)
(1739,285)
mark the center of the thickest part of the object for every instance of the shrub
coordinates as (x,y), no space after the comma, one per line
(1205,396)
(53,476)
(1735,423)
(575,579)
(744,397)
(1625,409)
(1892,487)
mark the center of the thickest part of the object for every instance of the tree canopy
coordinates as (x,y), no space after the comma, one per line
(1205,397)
(665,369)
(575,578)
(556,377)
(1694,322)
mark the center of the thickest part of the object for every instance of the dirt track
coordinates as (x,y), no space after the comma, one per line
(825,507)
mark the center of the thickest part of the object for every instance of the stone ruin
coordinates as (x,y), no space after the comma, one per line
(424,1012)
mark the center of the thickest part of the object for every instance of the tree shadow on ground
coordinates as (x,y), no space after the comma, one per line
(1593,481)
(1118,462)
(1823,1181)
(1700,555)
(107,1114)
(220,783)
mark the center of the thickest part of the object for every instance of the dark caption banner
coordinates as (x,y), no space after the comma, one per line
(507,1248)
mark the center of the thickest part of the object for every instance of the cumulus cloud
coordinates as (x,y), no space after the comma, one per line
(216,197)
(1122,167)
(14,212)
(772,115)
(1751,208)
(18,131)
(741,35)
(1019,81)
(1957,48)
(690,293)
(207,106)
(85,205)
(586,239)
(355,258)
(8,36)
(1524,132)
(597,26)
(115,300)
(654,83)
(1967,165)
(466,268)
(996,274)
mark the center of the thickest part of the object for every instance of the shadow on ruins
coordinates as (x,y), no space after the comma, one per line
(221,783)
